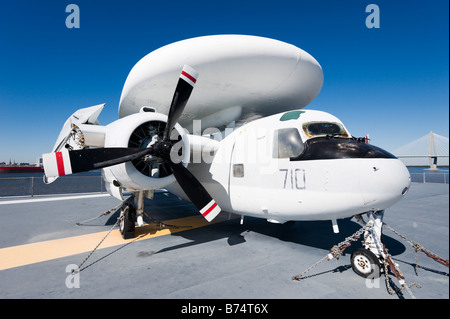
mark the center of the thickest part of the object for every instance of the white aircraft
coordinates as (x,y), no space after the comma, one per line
(240,143)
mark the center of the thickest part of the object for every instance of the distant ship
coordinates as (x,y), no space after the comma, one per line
(21,168)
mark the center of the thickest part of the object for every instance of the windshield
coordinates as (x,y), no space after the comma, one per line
(287,143)
(315,129)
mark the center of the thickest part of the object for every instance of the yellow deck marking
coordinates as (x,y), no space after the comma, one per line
(22,255)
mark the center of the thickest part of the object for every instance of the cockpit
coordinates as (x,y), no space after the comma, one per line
(319,140)
(288,142)
(317,129)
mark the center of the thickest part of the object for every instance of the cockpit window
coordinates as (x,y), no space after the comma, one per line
(315,129)
(287,143)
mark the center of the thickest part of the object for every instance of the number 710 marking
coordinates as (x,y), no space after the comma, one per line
(294,177)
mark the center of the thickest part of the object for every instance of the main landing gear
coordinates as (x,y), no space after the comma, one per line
(127,221)
(132,212)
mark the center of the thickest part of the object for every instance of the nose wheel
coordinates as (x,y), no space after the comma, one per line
(365,263)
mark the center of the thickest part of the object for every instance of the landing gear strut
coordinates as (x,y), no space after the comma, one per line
(367,262)
(132,212)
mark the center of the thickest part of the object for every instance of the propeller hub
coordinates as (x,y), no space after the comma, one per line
(162,149)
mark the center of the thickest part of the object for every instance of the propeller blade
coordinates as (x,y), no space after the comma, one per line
(190,185)
(68,162)
(195,191)
(186,83)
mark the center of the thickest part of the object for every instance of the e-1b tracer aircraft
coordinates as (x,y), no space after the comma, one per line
(240,142)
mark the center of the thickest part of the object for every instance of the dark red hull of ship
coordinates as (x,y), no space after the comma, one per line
(19,169)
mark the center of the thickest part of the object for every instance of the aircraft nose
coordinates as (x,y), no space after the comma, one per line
(383,182)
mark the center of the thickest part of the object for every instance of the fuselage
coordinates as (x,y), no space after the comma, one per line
(296,169)
(293,165)
(264,157)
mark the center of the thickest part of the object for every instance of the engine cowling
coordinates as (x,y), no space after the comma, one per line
(141,130)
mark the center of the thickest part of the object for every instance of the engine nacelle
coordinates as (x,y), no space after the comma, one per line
(141,130)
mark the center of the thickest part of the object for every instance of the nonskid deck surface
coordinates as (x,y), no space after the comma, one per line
(39,241)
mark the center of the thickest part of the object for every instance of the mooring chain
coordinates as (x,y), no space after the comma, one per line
(162,225)
(389,263)
(119,219)
(336,251)
(98,245)
(402,283)
(298,277)
(82,223)
(418,247)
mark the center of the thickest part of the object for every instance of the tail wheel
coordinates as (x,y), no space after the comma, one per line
(127,224)
(365,263)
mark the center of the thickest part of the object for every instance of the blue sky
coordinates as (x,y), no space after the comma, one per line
(390,82)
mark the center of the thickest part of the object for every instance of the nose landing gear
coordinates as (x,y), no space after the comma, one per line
(365,263)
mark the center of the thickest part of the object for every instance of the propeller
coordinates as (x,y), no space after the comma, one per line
(69,162)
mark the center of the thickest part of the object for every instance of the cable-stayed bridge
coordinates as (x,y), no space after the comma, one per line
(429,150)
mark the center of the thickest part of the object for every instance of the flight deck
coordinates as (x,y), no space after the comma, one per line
(188,258)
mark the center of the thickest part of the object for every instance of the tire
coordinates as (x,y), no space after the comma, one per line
(127,224)
(365,263)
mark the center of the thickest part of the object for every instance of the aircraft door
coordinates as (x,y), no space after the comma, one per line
(252,168)
(238,171)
